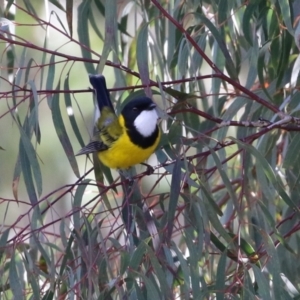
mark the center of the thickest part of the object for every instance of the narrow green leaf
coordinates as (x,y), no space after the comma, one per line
(71,116)
(250,252)
(68,255)
(220,46)
(161,276)
(152,292)
(290,287)
(197,59)
(69,14)
(297,40)
(62,133)
(247,22)
(199,222)
(89,234)
(110,32)
(252,72)
(95,25)
(26,134)
(219,61)
(16,177)
(46,257)
(14,278)
(225,179)
(217,242)
(139,291)
(10,59)
(137,256)
(49,295)
(263,51)
(50,79)
(292,153)
(262,282)
(121,27)
(213,218)
(222,12)
(183,56)
(295,71)
(174,130)
(125,259)
(172,265)
(226,57)
(267,217)
(230,113)
(61,22)
(194,258)
(142,53)
(34,117)
(62,232)
(57,4)
(84,11)
(28,69)
(267,188)
(100,7)
(43,70)
(78,197)
(210,199)
(171,38)
(174,196)
(29,160)
(248,289)
(273,266)
(28,180)
(286,13)
(3,241)
(285,56)
(34,285)
(21,64)
(31,8)
(183,269)
(8,5)
(220,280)
(275,180)
(161,156)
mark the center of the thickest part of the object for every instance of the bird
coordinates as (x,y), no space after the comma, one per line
(125,140)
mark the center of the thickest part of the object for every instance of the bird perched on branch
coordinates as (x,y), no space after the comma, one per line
(125,140)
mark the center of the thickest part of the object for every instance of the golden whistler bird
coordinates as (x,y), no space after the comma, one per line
(125,140)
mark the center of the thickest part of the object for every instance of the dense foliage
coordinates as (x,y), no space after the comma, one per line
(219,217)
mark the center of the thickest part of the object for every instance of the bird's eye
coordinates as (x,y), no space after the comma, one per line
(134,108)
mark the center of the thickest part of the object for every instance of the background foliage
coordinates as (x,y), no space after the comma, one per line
(218,218)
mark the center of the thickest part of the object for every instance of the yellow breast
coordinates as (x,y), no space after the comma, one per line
(123,153)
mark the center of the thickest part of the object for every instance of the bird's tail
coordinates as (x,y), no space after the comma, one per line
(102,95)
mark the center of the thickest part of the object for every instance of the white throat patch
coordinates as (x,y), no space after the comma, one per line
(145,122)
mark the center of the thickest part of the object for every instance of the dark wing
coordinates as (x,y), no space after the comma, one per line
(108,126)
(94,146)
(102,95)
